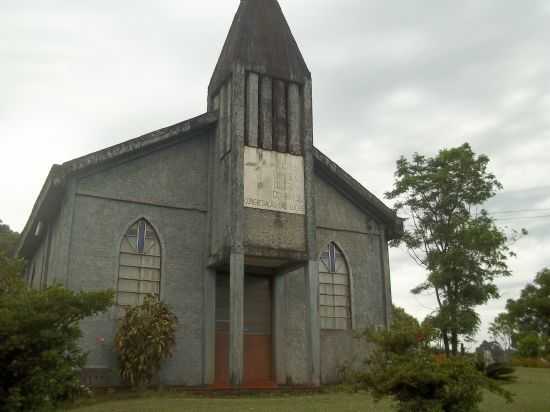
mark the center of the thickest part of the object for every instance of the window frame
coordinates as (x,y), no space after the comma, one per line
(139,266)
(333,271)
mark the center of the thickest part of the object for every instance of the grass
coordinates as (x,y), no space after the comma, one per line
(532,395)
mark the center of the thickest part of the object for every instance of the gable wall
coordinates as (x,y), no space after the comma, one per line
(359,237)
(169,188)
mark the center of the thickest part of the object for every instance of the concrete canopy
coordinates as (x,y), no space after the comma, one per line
(260,40)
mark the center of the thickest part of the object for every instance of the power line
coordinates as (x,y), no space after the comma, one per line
(523,217)
(503,212)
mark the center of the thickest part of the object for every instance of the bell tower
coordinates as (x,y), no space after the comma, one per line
(262,216)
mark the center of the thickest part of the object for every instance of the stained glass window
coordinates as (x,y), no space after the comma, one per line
(139,265)
(334,289)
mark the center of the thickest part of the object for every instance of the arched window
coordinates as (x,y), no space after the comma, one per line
(139,265)
(334,289)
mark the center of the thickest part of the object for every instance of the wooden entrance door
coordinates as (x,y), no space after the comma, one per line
(258,342)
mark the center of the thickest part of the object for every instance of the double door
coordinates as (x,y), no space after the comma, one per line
(258,341)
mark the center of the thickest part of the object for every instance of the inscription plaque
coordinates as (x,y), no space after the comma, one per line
(273,181)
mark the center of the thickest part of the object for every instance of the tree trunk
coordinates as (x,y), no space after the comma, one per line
(446,342)
(454,342)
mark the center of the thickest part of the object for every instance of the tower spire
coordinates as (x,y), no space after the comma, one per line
(260,40)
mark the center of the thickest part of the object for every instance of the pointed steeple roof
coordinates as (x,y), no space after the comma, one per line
(261,40)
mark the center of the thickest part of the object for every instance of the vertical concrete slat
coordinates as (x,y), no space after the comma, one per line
(229,115)
(294,120)
(279,328)
(236,315)
(252,108)
(280,117)
(237,158)
(266,113)
(222,124)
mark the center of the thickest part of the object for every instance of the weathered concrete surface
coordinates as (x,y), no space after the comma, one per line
(106,205)
(188,181)
(260,39)
(236,318)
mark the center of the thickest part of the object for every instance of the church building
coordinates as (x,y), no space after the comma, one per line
(270,255)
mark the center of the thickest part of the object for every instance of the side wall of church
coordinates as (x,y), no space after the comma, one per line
(358,236)
(168,188)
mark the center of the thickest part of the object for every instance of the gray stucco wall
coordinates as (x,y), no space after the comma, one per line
(296,343)
(169,188)
(358,236)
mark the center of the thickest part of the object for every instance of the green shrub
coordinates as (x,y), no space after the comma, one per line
(530,362)
(530,346)
(39,333)
(403,368)
(145,338)
(501,372)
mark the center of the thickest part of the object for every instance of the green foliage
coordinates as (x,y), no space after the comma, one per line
(145,338)
(462,249)
(526,322)
(518,361)
(404,334)
(501,372)
(39,332)
(8,239)
(403,368)
(530,346)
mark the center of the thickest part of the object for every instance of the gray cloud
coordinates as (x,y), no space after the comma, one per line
(390,78)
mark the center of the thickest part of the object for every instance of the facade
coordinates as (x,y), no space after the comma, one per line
(268,252)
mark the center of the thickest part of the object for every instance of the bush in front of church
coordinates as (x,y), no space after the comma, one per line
(146,337)
(404,368)
(39,332)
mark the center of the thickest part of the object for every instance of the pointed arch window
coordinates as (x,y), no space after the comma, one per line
(139,265)
(334,289)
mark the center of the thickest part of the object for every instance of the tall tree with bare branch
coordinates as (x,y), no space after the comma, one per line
(451,236)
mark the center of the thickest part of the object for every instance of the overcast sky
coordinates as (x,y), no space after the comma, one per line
(390,78)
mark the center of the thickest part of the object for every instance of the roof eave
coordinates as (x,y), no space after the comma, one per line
(360,195)
(51,194)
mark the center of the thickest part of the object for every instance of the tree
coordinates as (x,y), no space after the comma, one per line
(529,316)
(502,331)
(403,368)
(460,246)
(402,319)
(39,333)
(144,340)
(8,239)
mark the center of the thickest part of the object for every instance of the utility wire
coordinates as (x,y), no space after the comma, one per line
(502,212)
(523,217)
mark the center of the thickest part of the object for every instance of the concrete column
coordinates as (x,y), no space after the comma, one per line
(280,120)
(266,113)
(279,328)
(313,333)
(252,108)
(294,120)
(386,279)
(236,266)
(236,314)
(209,332)
(313,330)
